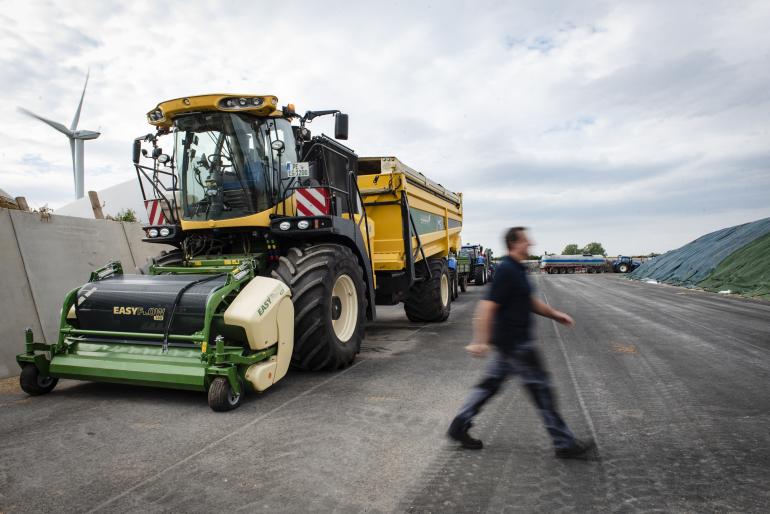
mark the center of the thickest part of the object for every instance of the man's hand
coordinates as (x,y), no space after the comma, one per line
(477,349)
(563,318)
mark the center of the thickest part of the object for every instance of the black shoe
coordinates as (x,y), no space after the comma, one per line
(578,450)
(459,432)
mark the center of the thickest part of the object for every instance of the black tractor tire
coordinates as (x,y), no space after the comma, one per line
(464,283)
(427,302)
(478,276)
(312,273)
(164,258)
(453,286)
(221,396)
(35,384)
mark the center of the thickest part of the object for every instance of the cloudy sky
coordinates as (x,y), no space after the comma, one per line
(641,125)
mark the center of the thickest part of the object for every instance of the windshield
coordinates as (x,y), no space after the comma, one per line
(229,163)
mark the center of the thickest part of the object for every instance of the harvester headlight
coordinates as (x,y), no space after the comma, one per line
(256,101)
(242,102)
(285,225)
(153,232)
(230,102)
(303,224)
(164,232)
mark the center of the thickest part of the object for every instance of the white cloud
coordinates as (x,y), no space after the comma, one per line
(641,112)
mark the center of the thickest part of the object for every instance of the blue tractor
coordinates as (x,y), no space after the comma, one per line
(625,264)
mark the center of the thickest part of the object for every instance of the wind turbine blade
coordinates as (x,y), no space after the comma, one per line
(58,126)
(76,119)
(81,166)
(74,165)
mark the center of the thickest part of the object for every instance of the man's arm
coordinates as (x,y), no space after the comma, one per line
(482,327)
(543,309)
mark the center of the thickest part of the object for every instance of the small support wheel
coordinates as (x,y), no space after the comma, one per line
(464,283)
(35,384)
(221,395)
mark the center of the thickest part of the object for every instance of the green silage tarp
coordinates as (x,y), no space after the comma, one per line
(746,271)
(696,261)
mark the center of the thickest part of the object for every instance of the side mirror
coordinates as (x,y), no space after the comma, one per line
(137,150)
(340,126)
(278,146)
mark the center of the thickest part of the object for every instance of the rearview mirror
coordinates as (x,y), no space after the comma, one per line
(340,126)
(137,150)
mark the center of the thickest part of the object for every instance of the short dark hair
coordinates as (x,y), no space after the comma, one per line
(512,235)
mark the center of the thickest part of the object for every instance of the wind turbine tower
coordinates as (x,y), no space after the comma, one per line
(76,138)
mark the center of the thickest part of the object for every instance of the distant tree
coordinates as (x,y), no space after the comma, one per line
(571,249)
(594,249)
(125,215)
(534,257)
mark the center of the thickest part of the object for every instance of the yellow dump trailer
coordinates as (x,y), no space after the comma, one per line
(417,226)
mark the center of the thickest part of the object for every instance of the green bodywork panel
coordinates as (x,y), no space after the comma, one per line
(178,368)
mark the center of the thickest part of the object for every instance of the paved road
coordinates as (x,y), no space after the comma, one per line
(673,384)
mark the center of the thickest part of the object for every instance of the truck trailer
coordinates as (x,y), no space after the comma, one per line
(553,264)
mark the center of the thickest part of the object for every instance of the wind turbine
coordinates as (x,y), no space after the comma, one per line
(76,138)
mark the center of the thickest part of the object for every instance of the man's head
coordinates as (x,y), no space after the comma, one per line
(517,242)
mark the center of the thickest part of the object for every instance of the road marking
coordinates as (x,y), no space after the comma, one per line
(573,377)
(220,440)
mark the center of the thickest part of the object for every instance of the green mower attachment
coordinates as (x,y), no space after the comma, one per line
(221,332)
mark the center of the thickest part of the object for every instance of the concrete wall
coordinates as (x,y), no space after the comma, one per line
(44,259)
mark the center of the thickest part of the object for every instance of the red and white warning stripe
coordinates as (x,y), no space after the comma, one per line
(154,212)
(312,201)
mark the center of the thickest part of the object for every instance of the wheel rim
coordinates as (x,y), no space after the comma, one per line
(345,308)
(44,381)
(444,290)
(233,398)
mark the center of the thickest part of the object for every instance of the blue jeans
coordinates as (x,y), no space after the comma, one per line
(525,363)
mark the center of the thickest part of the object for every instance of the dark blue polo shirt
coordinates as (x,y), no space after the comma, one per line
(512,292)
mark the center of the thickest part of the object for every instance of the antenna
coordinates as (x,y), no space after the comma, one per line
(76,138)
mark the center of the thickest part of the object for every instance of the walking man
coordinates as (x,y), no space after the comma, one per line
(502,327)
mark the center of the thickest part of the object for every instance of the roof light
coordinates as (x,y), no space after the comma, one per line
(153,232)
(164,232)
(303,224)
(284,225)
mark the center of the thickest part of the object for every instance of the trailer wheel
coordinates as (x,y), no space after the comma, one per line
(464,283)
(221,396)
(33,383)
(429,298)
(329,296)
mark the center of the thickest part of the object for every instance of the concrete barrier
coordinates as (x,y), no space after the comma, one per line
(17,308)
(43,259)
